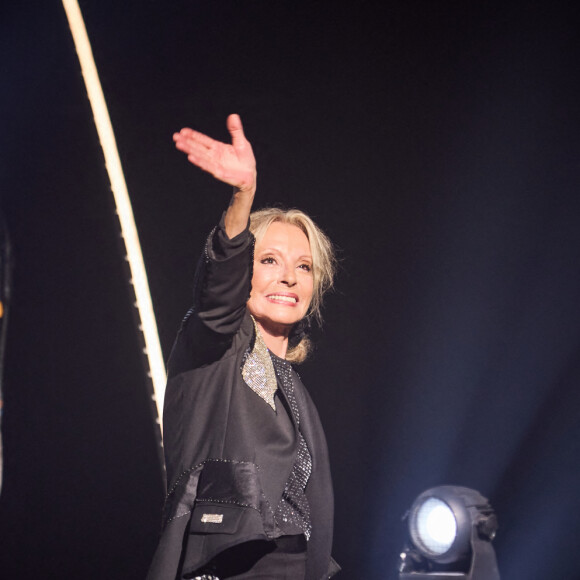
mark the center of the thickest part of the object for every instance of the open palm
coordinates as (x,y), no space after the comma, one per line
(234,164)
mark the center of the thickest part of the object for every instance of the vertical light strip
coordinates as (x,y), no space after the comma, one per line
(128,230)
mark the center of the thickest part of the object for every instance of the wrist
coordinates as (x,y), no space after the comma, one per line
(244,195)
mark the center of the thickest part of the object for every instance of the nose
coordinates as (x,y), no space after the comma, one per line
(288,276)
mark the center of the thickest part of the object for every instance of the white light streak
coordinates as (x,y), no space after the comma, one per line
(122,201)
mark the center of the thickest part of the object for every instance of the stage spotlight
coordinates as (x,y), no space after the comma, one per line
(450,533)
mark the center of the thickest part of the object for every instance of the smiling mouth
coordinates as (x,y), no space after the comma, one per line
(282,298)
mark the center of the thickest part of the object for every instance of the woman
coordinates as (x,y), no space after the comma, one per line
(249,488)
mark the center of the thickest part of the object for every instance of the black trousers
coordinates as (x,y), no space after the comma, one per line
(283,559)
(276,565)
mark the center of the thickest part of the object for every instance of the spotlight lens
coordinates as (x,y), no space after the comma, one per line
(435,526)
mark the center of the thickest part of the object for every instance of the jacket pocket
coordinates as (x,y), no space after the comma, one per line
(215,518)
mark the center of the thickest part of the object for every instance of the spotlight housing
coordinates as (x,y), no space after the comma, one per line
(450,532)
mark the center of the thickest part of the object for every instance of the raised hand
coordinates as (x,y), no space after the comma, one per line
(234,164)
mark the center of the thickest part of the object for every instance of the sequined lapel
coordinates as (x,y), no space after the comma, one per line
(258,370)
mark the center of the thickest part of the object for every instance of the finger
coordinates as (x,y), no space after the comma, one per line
(211,167)
(189,135)
(189,146)
(236,129)
(204,163)
(183,145)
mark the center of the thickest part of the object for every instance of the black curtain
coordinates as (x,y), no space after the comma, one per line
(436,142)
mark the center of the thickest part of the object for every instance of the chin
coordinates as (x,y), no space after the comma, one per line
(277,323)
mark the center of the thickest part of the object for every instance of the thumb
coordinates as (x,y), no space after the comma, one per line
(234,125)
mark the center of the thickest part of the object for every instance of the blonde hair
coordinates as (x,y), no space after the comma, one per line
(323,262)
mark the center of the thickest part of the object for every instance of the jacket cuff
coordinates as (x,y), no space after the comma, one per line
(220,247)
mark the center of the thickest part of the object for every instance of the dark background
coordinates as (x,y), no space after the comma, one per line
(437,142)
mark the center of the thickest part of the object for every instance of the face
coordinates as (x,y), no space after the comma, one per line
(282,283)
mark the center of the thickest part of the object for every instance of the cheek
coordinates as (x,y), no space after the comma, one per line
(262,278)
(309,291)
(257,279)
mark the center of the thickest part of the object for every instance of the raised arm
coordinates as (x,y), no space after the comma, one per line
(234,164)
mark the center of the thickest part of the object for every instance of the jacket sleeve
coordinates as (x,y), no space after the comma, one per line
(221,290)
(223,280)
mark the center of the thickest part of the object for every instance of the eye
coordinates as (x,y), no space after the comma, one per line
(267,260)
(305,267)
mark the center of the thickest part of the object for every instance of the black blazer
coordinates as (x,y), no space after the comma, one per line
(220,491)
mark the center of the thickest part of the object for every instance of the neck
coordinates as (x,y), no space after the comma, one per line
(276,340)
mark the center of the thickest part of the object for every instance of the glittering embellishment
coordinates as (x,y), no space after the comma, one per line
(258,370)
(293,511)
(206,577)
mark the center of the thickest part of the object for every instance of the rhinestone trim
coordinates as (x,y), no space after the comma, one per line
(293,509)
(258,370)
